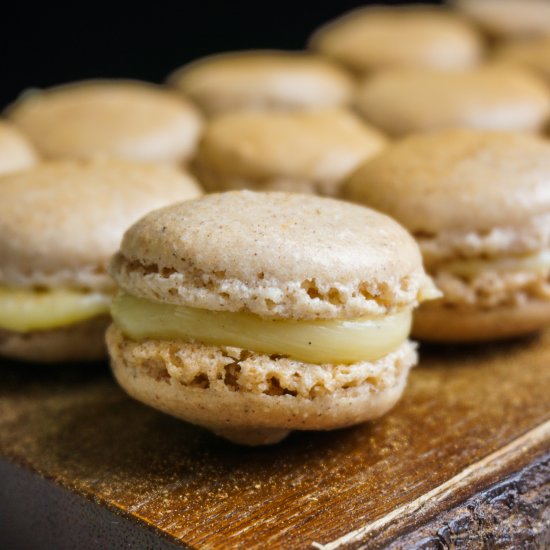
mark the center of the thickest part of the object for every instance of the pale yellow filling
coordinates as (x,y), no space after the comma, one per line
(327,341)
(538,263)
(23,309)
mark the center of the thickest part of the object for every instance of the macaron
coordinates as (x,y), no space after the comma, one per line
(108,118)
(533,54)
(60,223)
(263,80)
(253,314)
(405,101)
(478,203)
(379,37)
(16,153)
(300,151)
(508,18)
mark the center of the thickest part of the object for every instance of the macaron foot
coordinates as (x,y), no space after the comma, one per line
(252,436)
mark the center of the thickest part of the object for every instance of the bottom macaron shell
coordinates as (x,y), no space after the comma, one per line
(83,341)
(435,323)
(244,398)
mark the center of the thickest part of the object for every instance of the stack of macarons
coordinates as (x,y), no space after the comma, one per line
(391,179)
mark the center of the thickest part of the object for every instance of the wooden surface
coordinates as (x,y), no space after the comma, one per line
(464,459)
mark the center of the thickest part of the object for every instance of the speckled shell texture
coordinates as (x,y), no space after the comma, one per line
(278,255)
(254,398)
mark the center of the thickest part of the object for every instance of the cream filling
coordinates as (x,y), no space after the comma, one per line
(324,341)
(25,309)
(538,264)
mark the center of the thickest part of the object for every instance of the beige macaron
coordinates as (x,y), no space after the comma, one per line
(60,223)
(533,54)
(106,118)
(379,37)
(509,18)
(405,101)
(263,80)
(16,153)
(478,203)
(301,151)
(242,312)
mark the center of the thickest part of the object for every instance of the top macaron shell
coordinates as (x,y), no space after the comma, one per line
(404,101)
(61,221)
(16,153)
(315,148)
(374,38)
(127,119)
(258,80)
(273,254)
(458,180)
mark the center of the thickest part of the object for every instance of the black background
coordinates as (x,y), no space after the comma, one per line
(42,45)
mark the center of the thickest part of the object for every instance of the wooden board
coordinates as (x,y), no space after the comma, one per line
(464,458)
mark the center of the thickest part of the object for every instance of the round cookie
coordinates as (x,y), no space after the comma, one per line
(60,223)
(380,37)
(263,80)
(265,269)
(478,203)
(305,151)
(509,18)
(103,118)
(16,153)
(406,101)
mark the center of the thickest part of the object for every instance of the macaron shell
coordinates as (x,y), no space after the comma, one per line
(83,341)
(91,119)
(61,221)
(16,152)
(439,324)
(319,146)
(379,37)
(156,372)
(499,97)
(458,180)
(274,254)
(263,80)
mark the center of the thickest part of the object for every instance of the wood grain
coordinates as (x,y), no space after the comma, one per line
(471,418)
(513,513)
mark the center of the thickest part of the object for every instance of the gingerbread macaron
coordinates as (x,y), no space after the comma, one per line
(407,101)
(108,118)
(478,203)
(302,151)
(60,223)
(380,37)
(253,314)
(263,80)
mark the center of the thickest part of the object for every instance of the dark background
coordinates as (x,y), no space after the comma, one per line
(42,45)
